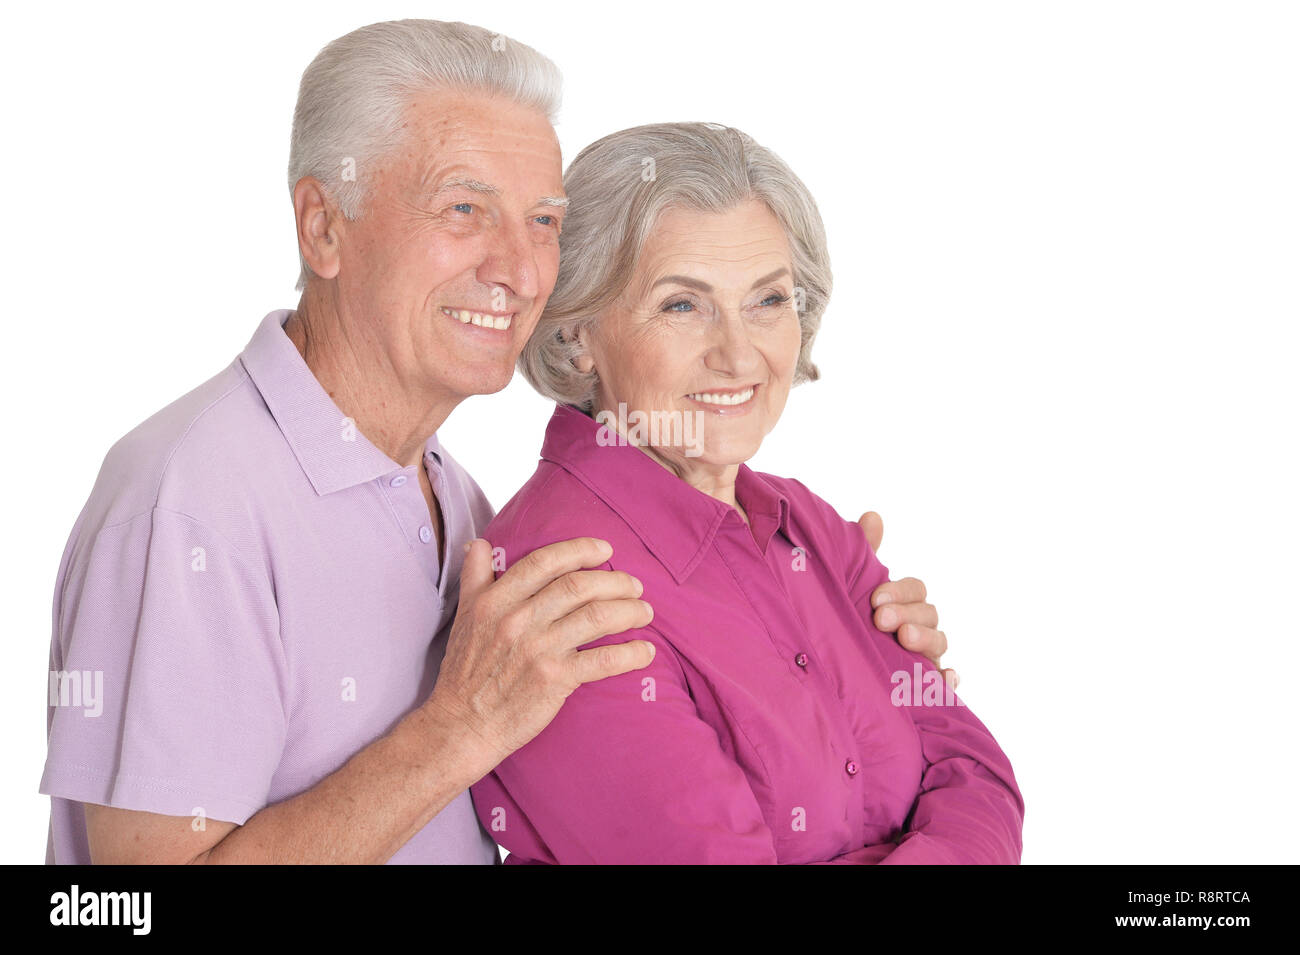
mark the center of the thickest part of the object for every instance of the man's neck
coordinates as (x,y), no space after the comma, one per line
(356,376)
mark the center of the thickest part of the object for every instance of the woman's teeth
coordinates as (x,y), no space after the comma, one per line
(714,398)
(466,317)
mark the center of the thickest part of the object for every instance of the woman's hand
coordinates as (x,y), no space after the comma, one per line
(899,607)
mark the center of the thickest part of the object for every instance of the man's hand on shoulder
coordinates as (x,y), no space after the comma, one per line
(900,607)
(512,657)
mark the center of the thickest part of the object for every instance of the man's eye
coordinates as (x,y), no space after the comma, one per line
(544,220)
(464,207)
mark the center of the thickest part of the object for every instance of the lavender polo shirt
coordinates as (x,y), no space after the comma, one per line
(251,595)
(776,724)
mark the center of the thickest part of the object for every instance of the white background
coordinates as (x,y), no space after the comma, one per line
(1059,358)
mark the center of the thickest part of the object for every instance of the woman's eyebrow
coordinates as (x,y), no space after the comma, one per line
(684,280)
(770,277)
(706,287)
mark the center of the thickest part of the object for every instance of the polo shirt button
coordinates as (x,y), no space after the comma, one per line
(801,660)
(851,768)
(425,534)
(397,481)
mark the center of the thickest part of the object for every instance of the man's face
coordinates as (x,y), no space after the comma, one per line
(459,228)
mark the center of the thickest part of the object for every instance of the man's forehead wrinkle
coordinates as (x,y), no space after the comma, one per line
(478,116)
(472,133)
(444,174)
(454,151)
(465,182)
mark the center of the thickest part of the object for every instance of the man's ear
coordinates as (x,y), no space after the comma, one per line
(319,223)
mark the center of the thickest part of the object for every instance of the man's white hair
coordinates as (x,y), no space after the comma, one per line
(353,96)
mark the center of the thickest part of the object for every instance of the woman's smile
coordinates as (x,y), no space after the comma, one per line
(725,403)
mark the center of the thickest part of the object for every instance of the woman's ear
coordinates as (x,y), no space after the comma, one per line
(582,360)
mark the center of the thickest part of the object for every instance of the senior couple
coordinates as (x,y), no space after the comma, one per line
(316,642)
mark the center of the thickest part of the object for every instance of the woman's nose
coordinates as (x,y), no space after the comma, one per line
(732,351)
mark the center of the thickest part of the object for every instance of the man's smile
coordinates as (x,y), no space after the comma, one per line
(497,321)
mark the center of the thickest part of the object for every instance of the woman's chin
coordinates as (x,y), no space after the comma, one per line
(717,455)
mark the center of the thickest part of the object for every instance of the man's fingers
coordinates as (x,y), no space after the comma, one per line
(874,527)
(611,659)
(566,594)
(600,618)
(905,591)
(900,608)
(892,616)
(927,641)
(476,574)
(526,574)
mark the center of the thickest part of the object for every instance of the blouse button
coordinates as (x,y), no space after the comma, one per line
(425,534)
(801,660)
(851,768)
(397,481)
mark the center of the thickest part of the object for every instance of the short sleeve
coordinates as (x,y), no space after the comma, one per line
(167,680)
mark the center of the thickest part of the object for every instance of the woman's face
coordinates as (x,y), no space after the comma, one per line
(706,328)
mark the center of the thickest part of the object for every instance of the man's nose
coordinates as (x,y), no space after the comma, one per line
(511,262)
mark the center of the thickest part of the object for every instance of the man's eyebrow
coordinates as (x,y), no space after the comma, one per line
(463,182)
(706,287)
(474,185)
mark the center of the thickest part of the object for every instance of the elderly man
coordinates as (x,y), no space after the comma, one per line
(277,637)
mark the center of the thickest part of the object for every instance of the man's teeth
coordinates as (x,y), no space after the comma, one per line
(466,317)
(713,398)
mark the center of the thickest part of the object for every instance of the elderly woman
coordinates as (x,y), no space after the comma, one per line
(776,723)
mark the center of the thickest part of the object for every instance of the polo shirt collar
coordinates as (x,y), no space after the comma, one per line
(330,450)
(675,521)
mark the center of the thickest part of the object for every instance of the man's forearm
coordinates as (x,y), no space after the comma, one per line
(370,807)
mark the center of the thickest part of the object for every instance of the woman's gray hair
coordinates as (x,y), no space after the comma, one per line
(354,93)
(618,187)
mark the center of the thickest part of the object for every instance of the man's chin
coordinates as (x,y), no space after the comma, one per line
(486,382)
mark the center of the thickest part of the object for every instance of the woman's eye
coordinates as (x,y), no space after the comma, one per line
(775,299)
(677,306)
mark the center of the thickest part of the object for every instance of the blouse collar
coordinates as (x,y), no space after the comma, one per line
(675,521)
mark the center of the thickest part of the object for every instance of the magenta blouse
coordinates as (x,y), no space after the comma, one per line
(776,723)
